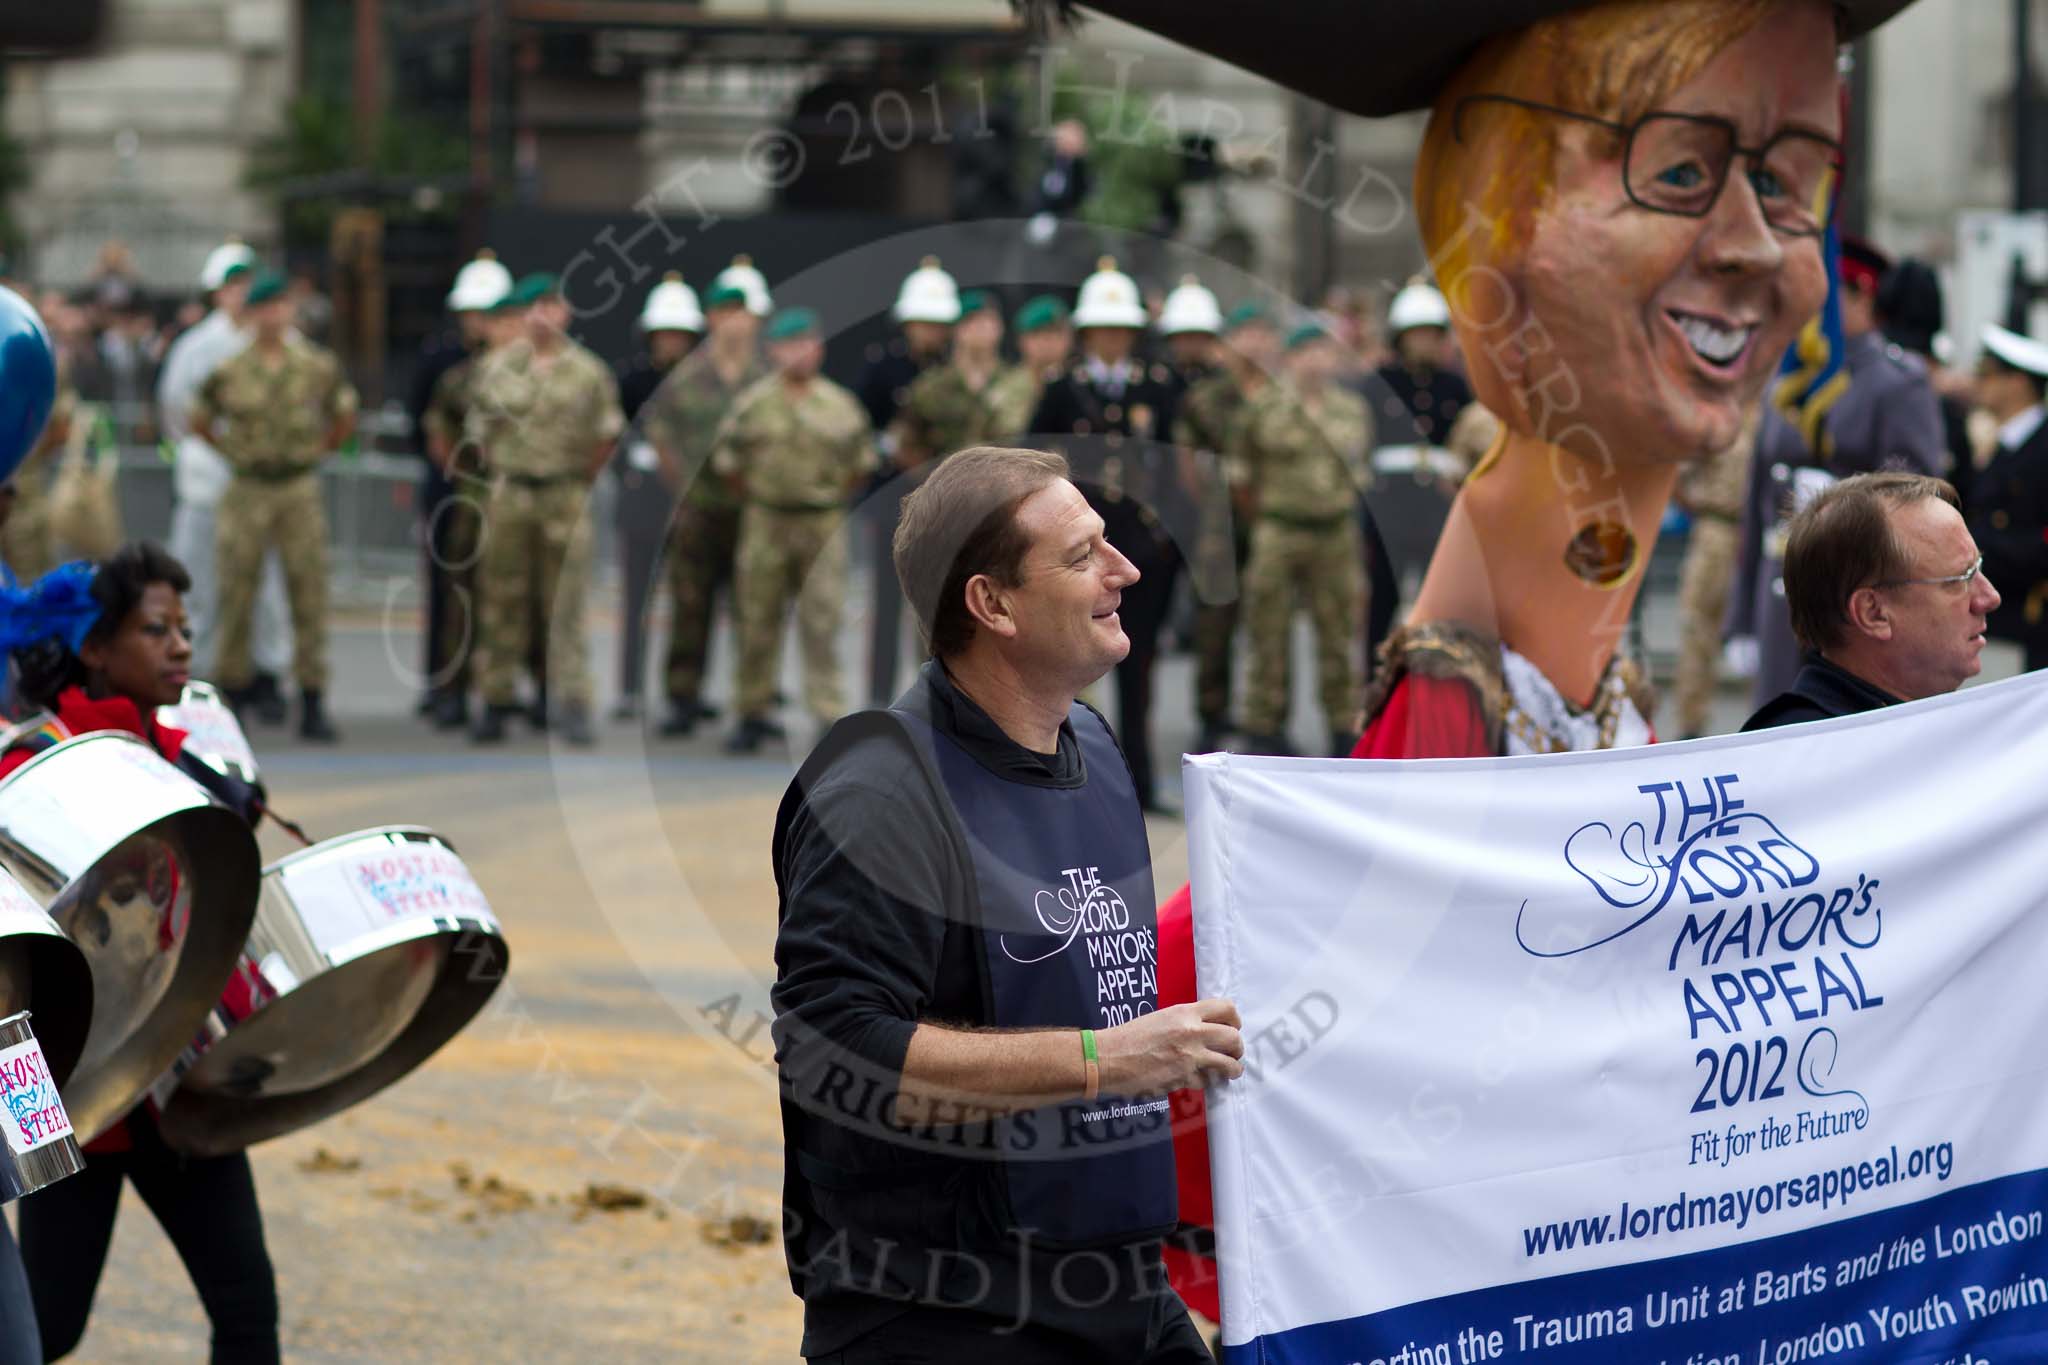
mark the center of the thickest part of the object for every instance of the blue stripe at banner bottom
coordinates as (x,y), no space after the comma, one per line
(1977,1294)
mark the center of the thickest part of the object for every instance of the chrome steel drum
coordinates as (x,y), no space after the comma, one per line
(37,1145)
(211,731)
(369,952)
(156,884)
(42,970)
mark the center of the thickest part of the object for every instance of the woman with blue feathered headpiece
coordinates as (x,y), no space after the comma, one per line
(101,647)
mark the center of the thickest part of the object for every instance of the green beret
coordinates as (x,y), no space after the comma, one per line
(267,286)
(974,300)
(790,323)
(1042,312)
(531,289)
(1246,315)
(725,296)
(1306,333)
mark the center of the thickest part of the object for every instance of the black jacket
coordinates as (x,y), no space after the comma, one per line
(1821,691)
(2009,518)
(1116,439)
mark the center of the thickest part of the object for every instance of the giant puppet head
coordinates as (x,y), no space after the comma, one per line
(1625,206)
(1606,297)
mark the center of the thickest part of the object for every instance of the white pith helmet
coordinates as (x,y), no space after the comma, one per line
(672,307)
(480,284)
(929,294)
(742,276)
(1190,308)
(1109,298)
(1419,305)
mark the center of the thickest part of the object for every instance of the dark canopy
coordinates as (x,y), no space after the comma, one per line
(1368,57)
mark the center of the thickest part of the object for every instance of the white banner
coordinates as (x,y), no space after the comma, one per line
(1727,1051)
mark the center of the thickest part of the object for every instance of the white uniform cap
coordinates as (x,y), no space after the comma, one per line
(672,307)
(222,259)
(928,294)
(1109,298)
(2020,352)
(1419,305)
(742,276)
(1190,308)
(480,284)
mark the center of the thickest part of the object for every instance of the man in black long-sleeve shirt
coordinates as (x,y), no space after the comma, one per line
(974,1067)
(1888,598)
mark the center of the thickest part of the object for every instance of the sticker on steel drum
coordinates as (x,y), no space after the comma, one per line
(35,1113)
(358,891)
(210,731)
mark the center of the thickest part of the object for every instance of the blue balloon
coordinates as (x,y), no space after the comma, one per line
(28,380)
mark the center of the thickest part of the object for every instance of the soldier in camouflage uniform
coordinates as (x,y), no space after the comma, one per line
(275,410)
(1302,447)
(1713,493)
(457,536)
(704,544)
(26,542)
(545,413)
(973,399)
(1045,341)
(1205,432)
(797,445)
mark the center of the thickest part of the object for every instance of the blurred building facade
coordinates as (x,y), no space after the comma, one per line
(746,107)
(148,137)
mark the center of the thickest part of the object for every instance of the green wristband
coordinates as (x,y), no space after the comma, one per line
(1088,1045)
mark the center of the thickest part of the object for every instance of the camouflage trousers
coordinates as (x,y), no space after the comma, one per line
(1323,569)
(1703,584)
(26,544)
(1222,552)
(254,516)
(789,557)
(532,579)
(456,541)
(702,547)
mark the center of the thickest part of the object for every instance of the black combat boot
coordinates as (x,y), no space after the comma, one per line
(682,718)
(490,723)
(313,723)
(746,738)
(451,711)
(241,701)
(268,698)
(575,725)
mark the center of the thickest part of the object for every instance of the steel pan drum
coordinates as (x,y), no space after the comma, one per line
(153,880)
(369,952)
(211,731)
(37,1144)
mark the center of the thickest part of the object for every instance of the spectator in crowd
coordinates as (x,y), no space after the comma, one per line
(2010,514)
(900,852)
(1888,598)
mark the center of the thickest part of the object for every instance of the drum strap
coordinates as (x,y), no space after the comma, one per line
(35,734)
(289,827)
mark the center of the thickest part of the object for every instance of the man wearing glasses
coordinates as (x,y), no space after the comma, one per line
(1888,418)
(1888,595)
